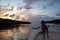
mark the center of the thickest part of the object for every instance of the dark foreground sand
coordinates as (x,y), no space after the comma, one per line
(53,35)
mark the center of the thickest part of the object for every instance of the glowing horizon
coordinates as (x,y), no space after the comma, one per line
(36,7)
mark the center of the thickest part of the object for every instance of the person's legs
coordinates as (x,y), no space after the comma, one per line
(43,35)
(47,34)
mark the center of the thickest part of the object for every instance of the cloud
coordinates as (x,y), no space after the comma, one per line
(28,3)
(51,3)
(27,7)
(32,1)
(35,20)
(58,14)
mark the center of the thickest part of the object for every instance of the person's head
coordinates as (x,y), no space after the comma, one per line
(42,22)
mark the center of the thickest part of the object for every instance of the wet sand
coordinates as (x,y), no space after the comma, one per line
(53,35)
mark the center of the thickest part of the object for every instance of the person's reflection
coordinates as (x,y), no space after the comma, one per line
(44,28)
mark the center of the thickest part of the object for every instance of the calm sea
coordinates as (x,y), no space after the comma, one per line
(54,27)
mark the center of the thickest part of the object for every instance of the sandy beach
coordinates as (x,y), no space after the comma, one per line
(53,35)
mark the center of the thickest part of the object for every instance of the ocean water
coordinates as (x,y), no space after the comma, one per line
(53,27)
(23,32)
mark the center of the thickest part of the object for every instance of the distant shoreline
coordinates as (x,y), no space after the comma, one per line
(53,21)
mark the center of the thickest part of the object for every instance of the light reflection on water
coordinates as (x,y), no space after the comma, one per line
(23,32)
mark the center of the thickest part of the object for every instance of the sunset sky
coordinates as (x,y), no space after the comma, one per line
(49,8)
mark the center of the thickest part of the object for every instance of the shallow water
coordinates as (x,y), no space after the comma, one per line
(23,32)
(54,27)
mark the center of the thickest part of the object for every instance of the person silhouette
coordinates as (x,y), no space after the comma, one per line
(44,29)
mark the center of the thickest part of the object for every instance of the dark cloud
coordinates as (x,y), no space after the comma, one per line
(29,2)
(51,3)
(32,1)
(58,13)
(27,7)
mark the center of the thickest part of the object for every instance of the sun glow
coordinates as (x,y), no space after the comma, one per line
(21,16)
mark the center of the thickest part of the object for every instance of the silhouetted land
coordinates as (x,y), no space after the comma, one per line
(9,24)
(53,21)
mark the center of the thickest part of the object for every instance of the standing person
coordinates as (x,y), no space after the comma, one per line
(44,29)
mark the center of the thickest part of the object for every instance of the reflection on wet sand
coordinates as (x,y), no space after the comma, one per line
(15,34)
(5,34)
